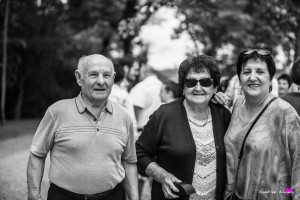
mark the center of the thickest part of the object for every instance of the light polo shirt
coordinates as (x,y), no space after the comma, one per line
(86,153)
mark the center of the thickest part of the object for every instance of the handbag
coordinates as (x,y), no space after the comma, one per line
(184,188)
(232,195)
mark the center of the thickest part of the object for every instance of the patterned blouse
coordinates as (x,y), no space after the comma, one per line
(204,178)
(270,166)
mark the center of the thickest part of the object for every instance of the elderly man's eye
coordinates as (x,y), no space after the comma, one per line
(93,75)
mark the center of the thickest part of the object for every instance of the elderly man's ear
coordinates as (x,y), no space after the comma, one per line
(78,77)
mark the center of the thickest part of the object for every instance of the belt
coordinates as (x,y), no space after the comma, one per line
(97,196)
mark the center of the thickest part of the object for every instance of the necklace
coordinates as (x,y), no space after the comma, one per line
(200,125)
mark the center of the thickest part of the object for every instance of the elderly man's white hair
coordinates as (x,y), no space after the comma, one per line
(94,59)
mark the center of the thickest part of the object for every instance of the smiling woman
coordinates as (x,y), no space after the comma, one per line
(183,140)
(265,161)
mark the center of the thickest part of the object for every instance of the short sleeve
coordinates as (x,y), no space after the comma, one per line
(129,154)
(44,136)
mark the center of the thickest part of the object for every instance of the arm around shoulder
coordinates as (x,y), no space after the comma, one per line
(35,171)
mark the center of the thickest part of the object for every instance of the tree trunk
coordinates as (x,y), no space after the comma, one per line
(127,45)
(18,107)
(4,61)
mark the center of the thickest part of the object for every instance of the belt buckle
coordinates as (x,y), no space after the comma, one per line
(91,196)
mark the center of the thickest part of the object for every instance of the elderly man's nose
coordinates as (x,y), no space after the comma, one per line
(100,79)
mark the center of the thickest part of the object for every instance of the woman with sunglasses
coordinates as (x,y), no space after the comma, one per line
(263,139)
(183,140)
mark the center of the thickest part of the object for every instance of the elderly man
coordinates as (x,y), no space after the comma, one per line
(91,141)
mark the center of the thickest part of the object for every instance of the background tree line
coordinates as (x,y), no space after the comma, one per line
(45,38)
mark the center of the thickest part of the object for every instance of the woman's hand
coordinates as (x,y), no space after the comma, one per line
(165,178)
(221,98)
(169,188)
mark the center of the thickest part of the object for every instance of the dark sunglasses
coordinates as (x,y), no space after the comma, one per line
(262,52)
(204,82)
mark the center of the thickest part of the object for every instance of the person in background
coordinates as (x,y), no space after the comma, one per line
(284,84)
(90,140)
(294,97)
(131,69)
(270,162)
(146,99)
(121,96)
(170,91)
(146,95)
(184,139)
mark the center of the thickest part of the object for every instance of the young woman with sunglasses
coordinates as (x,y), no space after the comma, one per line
(263,158)
(183,140)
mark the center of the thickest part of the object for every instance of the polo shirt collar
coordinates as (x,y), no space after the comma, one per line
(81,106)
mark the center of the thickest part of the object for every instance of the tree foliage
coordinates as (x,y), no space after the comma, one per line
(241,24)
(46,38)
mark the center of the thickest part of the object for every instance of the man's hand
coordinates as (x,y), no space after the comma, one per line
(221,98)
(35,171)
(130,182)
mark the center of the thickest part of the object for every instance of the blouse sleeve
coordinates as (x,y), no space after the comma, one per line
(146,145)
(292,133)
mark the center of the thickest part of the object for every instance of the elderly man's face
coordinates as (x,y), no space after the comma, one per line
(97,80)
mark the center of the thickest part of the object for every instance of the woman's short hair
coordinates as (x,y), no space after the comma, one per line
(295,71)
(198,64)
(285,77)
(256,55)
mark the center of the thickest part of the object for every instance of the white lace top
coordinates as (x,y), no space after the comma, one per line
(204,178)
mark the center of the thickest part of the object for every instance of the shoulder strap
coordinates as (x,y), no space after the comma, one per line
(242,149)
(254,122)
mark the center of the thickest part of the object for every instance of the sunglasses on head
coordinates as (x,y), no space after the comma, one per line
(204,82)
(262,52)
